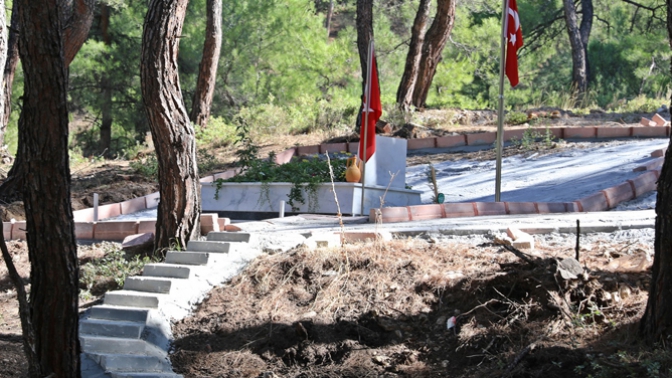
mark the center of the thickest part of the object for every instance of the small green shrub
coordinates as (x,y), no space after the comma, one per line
(515,118)
(147,166)
(217,133)
(108,272)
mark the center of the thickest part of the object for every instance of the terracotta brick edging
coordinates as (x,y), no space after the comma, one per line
(603,200)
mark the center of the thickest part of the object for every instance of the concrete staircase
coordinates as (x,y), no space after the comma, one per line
(129,335)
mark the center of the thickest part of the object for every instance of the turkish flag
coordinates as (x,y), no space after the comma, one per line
(372,113)
(514,41)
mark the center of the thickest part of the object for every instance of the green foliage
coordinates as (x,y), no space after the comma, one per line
(147,166)
(515,118)
(217,133)
(114,266)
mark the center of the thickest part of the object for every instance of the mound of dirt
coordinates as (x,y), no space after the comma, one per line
(382,310)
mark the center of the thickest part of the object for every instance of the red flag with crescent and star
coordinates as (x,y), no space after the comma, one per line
(514,41)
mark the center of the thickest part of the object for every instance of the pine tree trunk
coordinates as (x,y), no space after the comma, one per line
(172,133)
(656,324)
(579,72)
(10,67)
(364,33)
(407,84)
(207,72)
(46,194)
(435,41)
(330,13)
(585,29)
(106,108)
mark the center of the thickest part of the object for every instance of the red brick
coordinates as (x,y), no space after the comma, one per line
(613,132)
(480,139)
(667,130)
(515,133)
(354,236)
(7,230)
(353,147)
(207,179)
(656,163)
(133,205)
(572,207)
(424,212)
(451,141)
(114,230)
(19,230)
(594,202)
(646,122)
(456,210)
(390,215)
(579,132)
(333,147)
(642,131)
(659,153)
(660,121)
(209,223)
(557,132)
(307,150)
(84,230)
(146,226)
(520,208)
(644,183)
(619,193)
(285,156)
(84,215)
(416,144)
(490,208)
(223,222)
(550,207)
(109,211)
(232,228)
(152,200)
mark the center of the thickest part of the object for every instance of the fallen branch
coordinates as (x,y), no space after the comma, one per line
(518,358)
(527,258)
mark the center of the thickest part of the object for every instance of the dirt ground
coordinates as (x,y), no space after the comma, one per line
(380,310)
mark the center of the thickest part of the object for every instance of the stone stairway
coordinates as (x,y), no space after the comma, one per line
(129,335)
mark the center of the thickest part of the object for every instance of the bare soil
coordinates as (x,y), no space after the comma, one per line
(380,310)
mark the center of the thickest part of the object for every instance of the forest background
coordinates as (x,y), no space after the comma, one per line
(281,72)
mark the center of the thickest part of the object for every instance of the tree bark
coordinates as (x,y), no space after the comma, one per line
(172,133)
(435,41)
(579,72)
(106,108)
(656,324)
(76,18)
(584,29)
(207,72)
(407,84)
(330,13)
(364,33)
(10,67)
(46,194)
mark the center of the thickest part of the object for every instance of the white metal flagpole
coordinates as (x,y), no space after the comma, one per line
(500,110)
(367,108)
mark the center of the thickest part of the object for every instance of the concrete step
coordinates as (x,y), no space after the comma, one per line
(130,314)
(187,257)
(112,328)
(132,299)
(117,345)
(208,246)
(131,363)
(236,237)
(150,284)
(146,375)
(167,270)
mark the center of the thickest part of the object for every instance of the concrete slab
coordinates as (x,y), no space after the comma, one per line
(237,237)
(208,246)
(187,258)
(167,270)
(117,313)
(149,284)
(117,345)
(132,363)
(101,327)
(132,299)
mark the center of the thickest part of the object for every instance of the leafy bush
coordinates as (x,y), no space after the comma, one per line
(108,272)
(147,166)
(515,118)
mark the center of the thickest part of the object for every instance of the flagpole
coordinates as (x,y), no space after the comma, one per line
(500,110)
(367,106)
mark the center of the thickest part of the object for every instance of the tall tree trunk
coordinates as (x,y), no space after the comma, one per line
(407,84)
(106,108)
(10,67)
(584,29)
(364,23)
(579,72)
(656,324)
(435,41)
(207,72)
(172,133)
(76,18)
(330,13)
(46,194)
